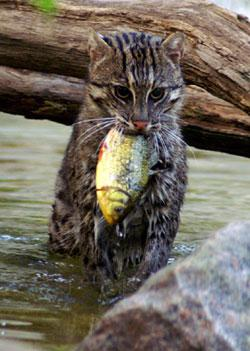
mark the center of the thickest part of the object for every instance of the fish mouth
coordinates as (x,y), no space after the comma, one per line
(106,188)
(119,204)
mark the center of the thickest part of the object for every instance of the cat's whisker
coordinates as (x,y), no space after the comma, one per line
(162,142)
(166,151)
(95,131)
(156,144)
(98,125)
(165,144)
(98,129)
(119,129)
(168,131)
(87,131)
(122,120)
(95,120)
(92,127)
(192,152)
(179,141)
(165,117)
(100,144)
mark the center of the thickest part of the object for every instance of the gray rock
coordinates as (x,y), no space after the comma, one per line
(202,303)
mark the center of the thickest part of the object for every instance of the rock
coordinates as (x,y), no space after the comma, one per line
(202,303)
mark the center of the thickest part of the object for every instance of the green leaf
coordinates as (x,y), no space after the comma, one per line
(48,6)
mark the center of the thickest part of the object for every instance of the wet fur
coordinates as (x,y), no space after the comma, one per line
(144,239)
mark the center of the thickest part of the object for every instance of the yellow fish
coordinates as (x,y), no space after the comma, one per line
(122,174)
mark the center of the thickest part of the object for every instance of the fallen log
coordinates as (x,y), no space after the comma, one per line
(40,95)
(212,123)
(209,122)
(216,65)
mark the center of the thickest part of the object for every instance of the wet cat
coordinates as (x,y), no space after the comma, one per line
(135,84)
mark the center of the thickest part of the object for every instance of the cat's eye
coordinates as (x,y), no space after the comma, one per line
(157,94)
(122,92)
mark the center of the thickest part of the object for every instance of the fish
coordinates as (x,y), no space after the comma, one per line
(122,173)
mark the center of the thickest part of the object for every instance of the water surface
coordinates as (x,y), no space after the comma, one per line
(43,299)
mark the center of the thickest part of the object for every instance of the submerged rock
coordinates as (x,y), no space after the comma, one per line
(202,303)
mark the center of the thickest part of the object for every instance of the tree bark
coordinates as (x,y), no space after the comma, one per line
(40,95)
(44,62)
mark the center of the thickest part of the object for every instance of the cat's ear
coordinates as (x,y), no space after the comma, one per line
(98,48)
(173,46)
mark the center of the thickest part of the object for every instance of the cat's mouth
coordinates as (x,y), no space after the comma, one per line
(147,130)
(140,127)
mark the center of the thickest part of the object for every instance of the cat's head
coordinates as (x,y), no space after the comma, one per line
(137,78)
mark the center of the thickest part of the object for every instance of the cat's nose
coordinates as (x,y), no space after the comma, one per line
(140,124)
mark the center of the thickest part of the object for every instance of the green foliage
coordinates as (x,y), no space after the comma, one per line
(48,6)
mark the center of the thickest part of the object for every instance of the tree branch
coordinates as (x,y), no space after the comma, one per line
(43,53)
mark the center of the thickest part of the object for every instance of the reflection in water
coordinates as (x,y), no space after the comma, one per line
(43,298)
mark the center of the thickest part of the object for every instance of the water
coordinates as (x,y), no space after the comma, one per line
(43,299)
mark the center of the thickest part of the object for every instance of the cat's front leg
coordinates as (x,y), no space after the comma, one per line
(162,206)
(163,226)
(103,242)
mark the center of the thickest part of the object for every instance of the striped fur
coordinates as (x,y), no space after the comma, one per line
(140,62)
(132,77)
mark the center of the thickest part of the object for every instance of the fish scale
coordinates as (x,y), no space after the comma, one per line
(122,174)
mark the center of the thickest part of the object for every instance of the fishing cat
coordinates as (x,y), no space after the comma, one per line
(136,85)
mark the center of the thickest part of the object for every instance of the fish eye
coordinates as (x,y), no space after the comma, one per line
(157,94)
(122,92)
(119,210)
